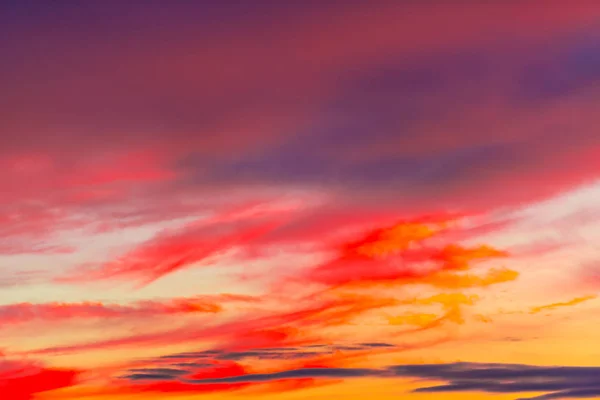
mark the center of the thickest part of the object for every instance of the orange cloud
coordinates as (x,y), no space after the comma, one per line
(401,254)
(452,280)
(451,304)
(553,306)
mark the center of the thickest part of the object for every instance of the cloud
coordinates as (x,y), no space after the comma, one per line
(314,132)
(219,375)
(155,374)
(325,295)
(367,253)
(164,380)
(408,253)
(201,242)
(376,344)
(26,312)
(20,278)
(573,302)
(466,281)
(451,305)
(273,353)
(294,374)
(49,196)
(169,253)
(23,380)
(589,276)
(258,329)
(557,381)
(376,122)
(267,355)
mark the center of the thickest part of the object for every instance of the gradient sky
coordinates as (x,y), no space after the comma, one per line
(299,200)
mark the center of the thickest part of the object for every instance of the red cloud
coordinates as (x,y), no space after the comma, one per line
(262,338)
(23,312)
(254,227)
(135,384)
(219,369)
(259,329)
(169,253)
(404,253)
(23,380)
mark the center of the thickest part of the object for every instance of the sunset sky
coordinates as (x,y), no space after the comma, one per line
(329,200)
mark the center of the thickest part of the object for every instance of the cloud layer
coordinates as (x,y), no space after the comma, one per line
(204,197)
(557,381)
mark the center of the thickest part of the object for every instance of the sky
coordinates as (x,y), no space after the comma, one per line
(299,200)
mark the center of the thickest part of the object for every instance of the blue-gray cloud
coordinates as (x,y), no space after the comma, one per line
(323,373)
(429,124)
(270,353)
(162,371)
(556,382)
